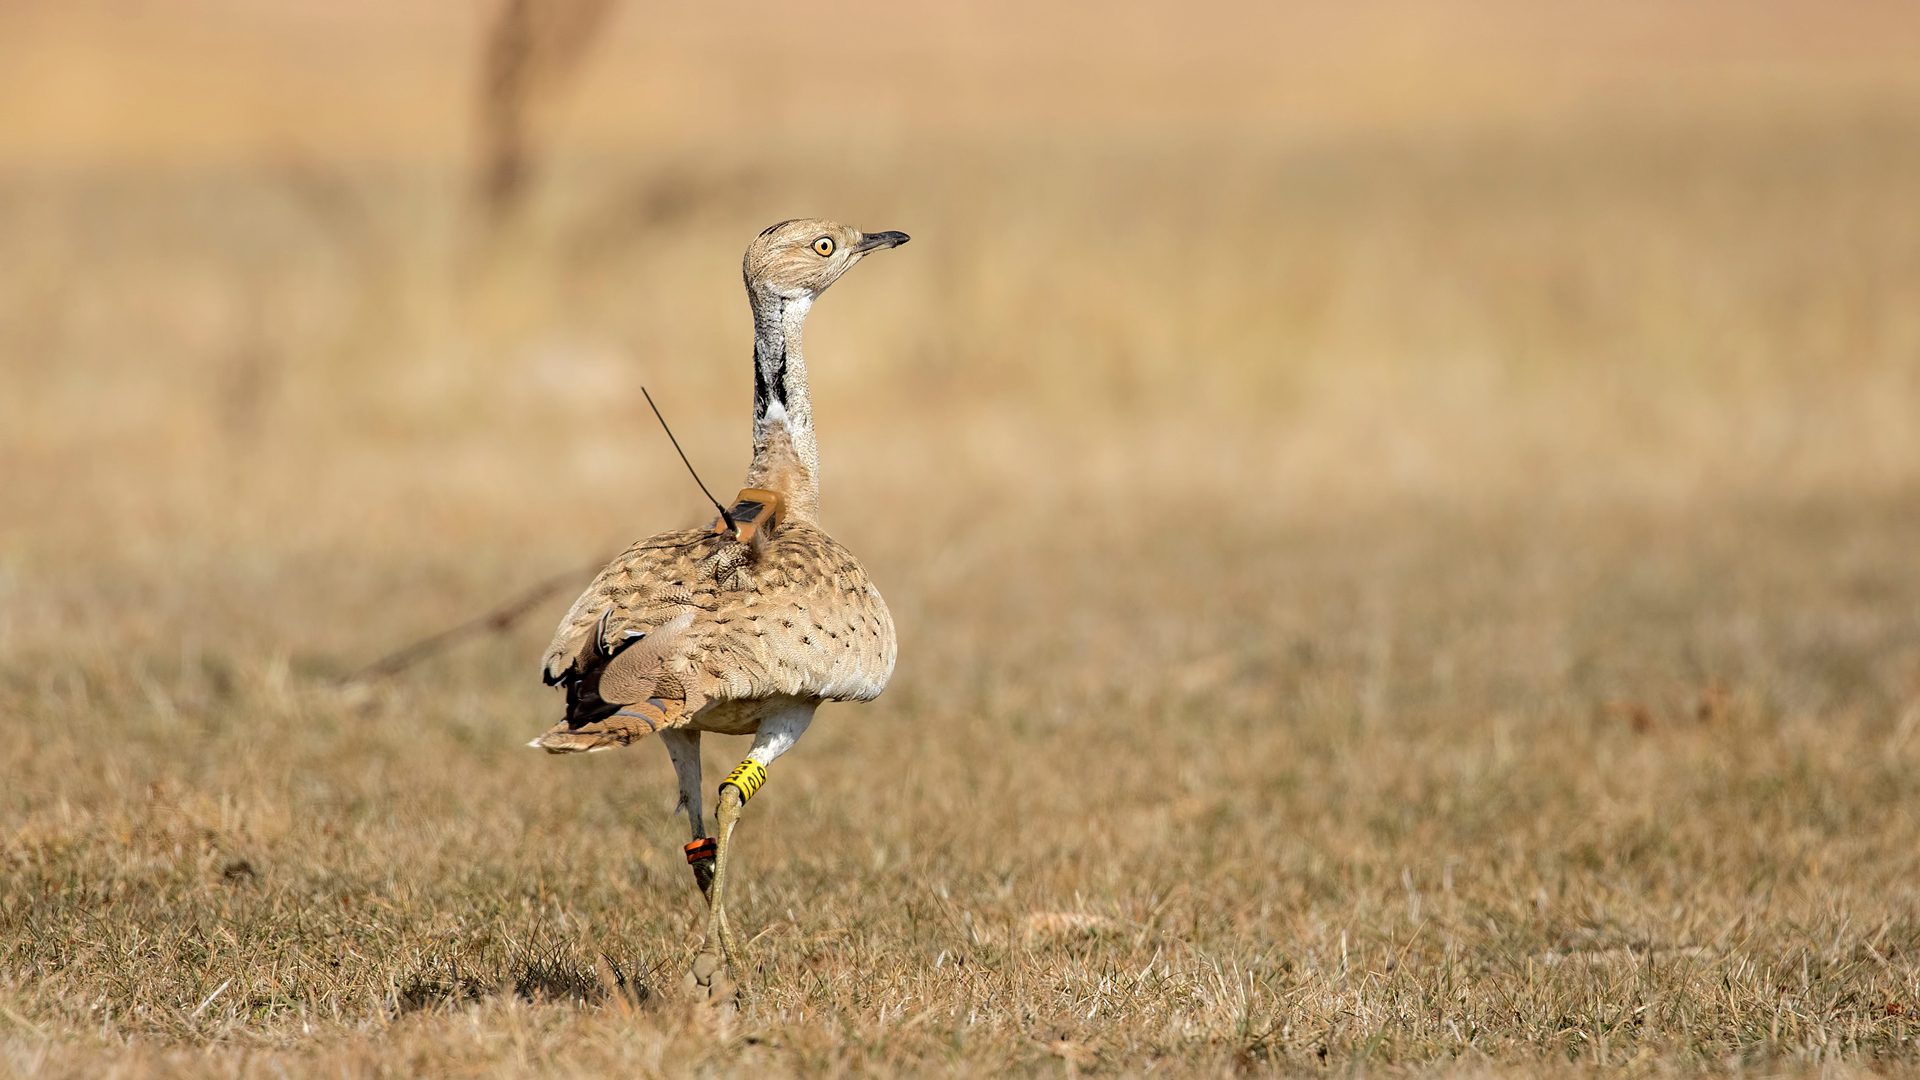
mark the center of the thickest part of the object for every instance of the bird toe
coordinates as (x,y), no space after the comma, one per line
(707,980)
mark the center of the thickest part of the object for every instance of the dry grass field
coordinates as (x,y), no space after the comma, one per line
(1416,582)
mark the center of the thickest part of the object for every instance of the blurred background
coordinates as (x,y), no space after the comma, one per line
(352,279)
(323,323)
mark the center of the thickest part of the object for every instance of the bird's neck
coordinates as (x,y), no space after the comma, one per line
(785,457)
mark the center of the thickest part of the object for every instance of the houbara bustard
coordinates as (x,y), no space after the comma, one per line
(745,627)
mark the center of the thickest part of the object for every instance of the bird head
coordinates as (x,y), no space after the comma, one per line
(801,257)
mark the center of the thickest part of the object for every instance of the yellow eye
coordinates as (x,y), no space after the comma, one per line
(823,247)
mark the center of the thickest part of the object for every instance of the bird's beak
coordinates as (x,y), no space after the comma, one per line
(875,241)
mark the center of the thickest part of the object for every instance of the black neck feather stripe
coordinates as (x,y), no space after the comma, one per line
(770,372)
(769,381)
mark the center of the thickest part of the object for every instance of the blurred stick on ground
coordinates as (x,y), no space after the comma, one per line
(497,621)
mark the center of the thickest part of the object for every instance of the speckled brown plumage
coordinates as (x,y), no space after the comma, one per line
(791,616)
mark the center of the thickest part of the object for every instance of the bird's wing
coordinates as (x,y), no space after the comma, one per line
(646,585)
(684,620)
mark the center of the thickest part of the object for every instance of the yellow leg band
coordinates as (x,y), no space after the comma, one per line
(747,776)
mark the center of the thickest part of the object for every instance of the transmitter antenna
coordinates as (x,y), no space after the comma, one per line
(724,516)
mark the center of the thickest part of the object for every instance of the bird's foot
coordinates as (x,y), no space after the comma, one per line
(707,980)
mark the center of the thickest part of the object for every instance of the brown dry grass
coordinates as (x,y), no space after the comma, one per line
(1396,601)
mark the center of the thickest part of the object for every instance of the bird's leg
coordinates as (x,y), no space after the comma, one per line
(734,792)
(776,736)
(684,747)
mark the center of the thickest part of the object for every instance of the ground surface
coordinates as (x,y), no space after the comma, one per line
(1387,602)
(1492,793)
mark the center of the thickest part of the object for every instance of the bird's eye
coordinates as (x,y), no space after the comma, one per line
(823,247)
